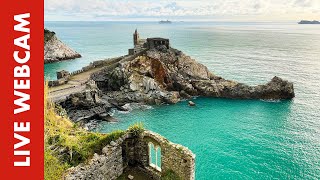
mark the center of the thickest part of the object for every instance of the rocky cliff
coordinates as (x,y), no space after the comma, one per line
(55,50)
(161,76)
(167,75)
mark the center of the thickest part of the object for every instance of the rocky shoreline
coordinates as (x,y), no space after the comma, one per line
(55,50)
(160,76)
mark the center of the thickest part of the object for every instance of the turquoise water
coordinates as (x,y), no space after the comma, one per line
(232,139)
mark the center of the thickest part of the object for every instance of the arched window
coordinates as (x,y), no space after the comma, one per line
(158,155)
(154,156)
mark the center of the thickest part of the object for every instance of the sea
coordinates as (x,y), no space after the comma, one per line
(232,139)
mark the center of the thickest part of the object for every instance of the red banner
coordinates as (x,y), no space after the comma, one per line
(21,90)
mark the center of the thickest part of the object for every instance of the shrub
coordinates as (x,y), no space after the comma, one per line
(136,129)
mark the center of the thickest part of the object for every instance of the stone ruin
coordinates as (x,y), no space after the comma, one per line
(63,74)
(150,43)
(150,152)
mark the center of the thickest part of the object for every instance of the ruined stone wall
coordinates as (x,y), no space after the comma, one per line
(92,65)
(131,151)
(173,156)
(58,82)
(107,166)
(95,64)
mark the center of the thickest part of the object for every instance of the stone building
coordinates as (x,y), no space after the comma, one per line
(144,44)
(63,74)
(149,152)
(136,37)
(138,44)
(155,42)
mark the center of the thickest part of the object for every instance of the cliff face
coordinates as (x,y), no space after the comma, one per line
(169,75)
(55,50)
(160,76)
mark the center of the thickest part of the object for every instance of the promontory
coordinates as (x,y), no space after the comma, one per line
(55,50)
(152,73)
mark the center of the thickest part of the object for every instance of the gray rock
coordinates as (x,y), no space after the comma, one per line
(156,78)
(112,143)
(191,103)
(55,50)
(130,177)
(159,77)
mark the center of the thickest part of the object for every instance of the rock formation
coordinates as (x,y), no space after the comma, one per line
(160,76)
(88,107)
(55,50)
(167,76)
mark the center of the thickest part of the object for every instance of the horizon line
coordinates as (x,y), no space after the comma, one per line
(243,21)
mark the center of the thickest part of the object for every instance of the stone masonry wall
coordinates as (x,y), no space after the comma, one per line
(107,166)
(130,151)
(173,156)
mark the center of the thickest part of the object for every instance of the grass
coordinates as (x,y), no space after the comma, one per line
(68,145)
(170,175)
(54,169)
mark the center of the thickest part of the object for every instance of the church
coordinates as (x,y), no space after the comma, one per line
(149,43)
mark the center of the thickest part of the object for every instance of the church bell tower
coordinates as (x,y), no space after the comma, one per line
(135,38)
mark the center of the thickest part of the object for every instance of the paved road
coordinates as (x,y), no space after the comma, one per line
(75,84)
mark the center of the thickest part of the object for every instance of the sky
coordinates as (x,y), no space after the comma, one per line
(186,10)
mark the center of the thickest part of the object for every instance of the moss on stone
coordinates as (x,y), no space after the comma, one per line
(170,175)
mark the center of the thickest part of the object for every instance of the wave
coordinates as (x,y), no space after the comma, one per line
(270,100)
(131,107)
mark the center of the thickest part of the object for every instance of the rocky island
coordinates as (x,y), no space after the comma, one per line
(55,50)
(153,73)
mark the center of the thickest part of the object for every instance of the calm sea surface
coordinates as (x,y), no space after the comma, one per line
(232,139)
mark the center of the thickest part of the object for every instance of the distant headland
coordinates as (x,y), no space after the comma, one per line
(55,50)
(309,22)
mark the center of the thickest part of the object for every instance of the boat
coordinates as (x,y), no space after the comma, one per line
(165,22)
(309,22)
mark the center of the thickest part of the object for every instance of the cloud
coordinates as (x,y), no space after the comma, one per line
(130,9)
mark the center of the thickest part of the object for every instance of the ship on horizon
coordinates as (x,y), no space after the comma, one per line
(308,22)
(165,22)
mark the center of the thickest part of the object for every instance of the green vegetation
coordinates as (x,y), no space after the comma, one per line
(54,169)
(48,35)
(136,129)
(66,144)
(170,175)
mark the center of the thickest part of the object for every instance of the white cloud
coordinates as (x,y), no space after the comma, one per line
(133,9)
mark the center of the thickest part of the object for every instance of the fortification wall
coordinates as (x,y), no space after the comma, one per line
(131,151)
(107,166)
(174,157)
(58,82)
(94,64)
